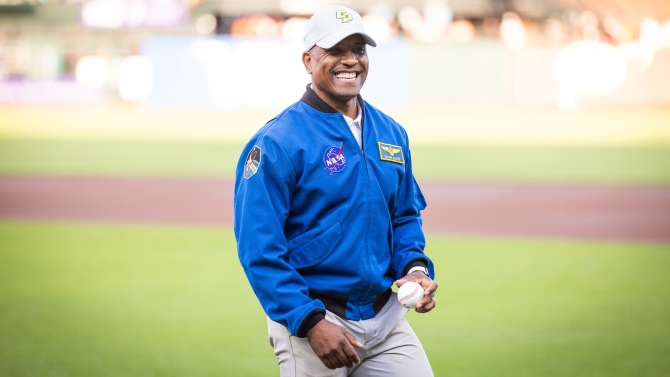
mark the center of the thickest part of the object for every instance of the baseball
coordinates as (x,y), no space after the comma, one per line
(409,294)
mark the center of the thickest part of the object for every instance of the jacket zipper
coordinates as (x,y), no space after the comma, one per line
(367,229)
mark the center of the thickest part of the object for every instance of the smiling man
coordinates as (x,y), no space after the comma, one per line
(327,219)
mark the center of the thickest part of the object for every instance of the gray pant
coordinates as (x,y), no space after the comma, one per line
(390,347)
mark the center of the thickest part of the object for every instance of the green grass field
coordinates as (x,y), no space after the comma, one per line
(111,300)
(642,165)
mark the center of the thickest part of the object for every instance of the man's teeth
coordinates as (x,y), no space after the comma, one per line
(351,75)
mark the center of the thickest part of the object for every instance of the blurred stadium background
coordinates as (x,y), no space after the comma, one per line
(541,135)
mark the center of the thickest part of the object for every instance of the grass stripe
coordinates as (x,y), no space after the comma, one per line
(642,165)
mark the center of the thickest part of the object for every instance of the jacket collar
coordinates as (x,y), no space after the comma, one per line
(315,102)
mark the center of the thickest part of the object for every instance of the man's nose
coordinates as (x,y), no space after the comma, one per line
(349,58)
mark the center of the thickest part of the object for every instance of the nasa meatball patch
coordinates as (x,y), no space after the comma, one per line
(334,159)
(253,162)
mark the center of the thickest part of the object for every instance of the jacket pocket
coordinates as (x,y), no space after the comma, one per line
(317,249)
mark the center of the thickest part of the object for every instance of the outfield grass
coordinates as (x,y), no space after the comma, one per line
(427,120)
(643,165)
(103,300)
(80,300)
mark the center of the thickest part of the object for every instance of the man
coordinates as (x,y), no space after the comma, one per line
(327,217)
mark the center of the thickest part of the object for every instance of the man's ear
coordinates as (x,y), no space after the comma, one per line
(307,61)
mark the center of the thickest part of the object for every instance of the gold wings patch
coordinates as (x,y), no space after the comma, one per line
(390,152)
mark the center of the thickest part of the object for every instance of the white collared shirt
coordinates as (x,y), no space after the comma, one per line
(355,125)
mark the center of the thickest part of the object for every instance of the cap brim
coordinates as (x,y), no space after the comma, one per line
(334,38)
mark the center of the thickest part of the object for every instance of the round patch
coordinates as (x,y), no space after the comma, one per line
(334,159)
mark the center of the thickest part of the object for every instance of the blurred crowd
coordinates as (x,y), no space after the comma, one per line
(56,39)
(435,22)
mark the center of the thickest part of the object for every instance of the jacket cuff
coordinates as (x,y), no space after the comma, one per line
(422,262)
(315,317)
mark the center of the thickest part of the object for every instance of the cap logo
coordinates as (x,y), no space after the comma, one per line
(344,16)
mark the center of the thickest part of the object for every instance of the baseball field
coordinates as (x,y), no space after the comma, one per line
(82,295)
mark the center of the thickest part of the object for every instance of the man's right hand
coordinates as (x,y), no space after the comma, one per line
(333,345)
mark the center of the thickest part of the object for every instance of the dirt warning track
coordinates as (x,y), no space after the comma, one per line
(600,212)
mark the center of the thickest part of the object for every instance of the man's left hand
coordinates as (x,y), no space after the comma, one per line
(429,287)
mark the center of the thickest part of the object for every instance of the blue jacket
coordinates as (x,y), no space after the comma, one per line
(320,224)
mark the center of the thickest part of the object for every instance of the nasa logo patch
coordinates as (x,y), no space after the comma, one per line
(334,159)
(253,162)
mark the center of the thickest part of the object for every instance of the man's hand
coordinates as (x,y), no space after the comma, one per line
(333,345)
(429,287)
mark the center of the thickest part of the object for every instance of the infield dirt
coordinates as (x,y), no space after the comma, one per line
(599,212)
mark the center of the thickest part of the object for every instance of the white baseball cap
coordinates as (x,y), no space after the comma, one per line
(329,25)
